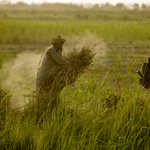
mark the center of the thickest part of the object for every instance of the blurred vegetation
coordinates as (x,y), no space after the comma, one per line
(15,32)
(62,11)
(75,15)
(7,5)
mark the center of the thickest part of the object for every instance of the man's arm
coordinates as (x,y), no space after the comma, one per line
(60,60)
(56,57)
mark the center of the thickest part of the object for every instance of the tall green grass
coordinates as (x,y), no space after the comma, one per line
(41,32)
(84,119)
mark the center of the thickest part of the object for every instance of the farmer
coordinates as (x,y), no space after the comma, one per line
(51,58)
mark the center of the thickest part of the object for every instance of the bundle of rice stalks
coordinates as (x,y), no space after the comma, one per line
(61,76)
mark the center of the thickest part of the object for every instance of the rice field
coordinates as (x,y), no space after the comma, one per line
(105,109)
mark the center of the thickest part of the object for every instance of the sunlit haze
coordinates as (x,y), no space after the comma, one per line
(85,1)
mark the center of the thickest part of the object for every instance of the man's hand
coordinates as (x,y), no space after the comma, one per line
(139,73)
(75,68)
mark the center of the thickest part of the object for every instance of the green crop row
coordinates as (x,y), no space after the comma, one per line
(40,32)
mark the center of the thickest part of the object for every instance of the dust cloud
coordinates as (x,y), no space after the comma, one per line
(87,39)
(18,77)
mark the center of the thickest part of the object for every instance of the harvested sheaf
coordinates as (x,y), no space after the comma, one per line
(59,76)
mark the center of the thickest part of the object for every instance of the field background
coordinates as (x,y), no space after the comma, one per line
(106,108)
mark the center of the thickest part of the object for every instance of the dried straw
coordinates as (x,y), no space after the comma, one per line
(61,76)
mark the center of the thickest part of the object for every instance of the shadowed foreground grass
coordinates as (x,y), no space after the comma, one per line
(100,112)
